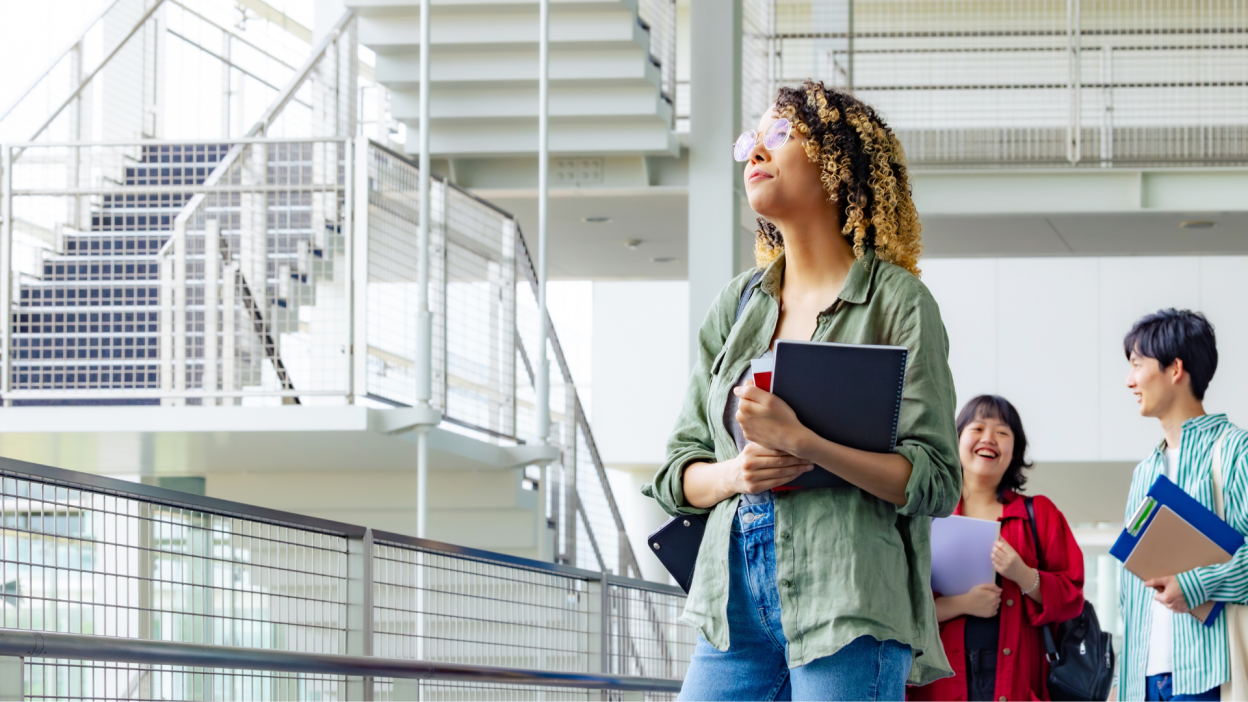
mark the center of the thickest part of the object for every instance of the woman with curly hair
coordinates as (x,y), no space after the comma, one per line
(815,593)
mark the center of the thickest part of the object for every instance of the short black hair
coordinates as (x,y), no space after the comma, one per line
(997,407)
(1169,334)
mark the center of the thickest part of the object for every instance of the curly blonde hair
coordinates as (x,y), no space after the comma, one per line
(863,169)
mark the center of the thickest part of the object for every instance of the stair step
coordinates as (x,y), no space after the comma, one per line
(382,8)
(626,67)
(566,105)
(518,136)
(508,31)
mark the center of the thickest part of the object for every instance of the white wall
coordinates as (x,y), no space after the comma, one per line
(1044,332)
(640,363)
(1047,335)
(640,366)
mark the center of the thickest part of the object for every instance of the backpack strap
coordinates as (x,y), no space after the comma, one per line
(1219,472)
(1050,647)
(748,293)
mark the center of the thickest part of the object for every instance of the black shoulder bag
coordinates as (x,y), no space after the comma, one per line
(1081,661)
(676,543)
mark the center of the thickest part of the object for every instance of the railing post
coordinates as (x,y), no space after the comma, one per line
(1074,130)
(212,264)
(178,298)
(357,246)
(12,679)
(229,329)
(542,360)
(6,270)
(599,625)
(360,609)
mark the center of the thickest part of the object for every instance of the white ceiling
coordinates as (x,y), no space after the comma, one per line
(583,250)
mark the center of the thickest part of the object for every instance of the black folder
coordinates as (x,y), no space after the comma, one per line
(847,393)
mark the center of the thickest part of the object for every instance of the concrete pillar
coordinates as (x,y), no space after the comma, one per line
(714,178)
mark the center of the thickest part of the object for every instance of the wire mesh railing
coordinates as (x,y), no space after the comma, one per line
(646,637)
(485,324)
(119,562)
(659,17)
(1047,82)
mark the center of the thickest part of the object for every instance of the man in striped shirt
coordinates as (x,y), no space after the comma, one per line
(1168,654)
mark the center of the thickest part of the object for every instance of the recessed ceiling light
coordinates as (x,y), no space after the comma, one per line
(596,220)
(632,244)
(1197,224)
(663,259)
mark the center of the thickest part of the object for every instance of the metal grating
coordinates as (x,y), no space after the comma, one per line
(393,261)
(1042,82)
(659,16)
(646,636)
(88,680)
(384,691)
(85,562)
(477,612)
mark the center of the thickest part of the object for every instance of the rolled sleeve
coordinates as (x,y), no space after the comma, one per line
(925,430)
(691,440)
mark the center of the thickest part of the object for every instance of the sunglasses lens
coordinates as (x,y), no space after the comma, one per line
(776,134)
(745,142)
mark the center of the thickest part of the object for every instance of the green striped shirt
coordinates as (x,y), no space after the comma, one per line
(1200,653)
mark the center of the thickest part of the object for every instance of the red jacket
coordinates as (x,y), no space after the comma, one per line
(1021,674)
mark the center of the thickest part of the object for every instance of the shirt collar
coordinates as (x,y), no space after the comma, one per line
(1204,421)
(857,285)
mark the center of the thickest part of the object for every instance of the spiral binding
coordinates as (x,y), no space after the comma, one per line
(901,389)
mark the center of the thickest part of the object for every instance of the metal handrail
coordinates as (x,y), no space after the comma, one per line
(526,262)
(91,76)
(626,546)
(45,644)
(59,57)
(228,508)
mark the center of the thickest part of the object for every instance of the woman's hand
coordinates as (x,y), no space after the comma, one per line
(757,469)
(1007,562)
(982,601)
(767,420)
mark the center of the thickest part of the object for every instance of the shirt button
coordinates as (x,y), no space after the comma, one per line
(1002,699)
(1006,651)
(784,535)
(786,583)
(749,518)
(1009,603)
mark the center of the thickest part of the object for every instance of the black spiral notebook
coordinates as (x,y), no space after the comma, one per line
(846,393)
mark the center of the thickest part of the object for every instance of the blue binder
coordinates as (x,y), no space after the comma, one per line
(1166,497)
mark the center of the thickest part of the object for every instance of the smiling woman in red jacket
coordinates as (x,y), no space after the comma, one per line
(992,634)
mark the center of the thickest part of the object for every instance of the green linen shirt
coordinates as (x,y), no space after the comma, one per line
(848,563)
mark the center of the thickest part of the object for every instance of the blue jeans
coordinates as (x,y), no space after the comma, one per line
(1158,689)
(755,667)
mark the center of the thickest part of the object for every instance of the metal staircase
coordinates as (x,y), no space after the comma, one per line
(612,66)
(273,267)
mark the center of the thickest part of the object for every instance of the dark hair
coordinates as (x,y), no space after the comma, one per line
(997,407)
(1169,334)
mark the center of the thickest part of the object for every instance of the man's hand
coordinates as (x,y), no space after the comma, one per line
(1168,593)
